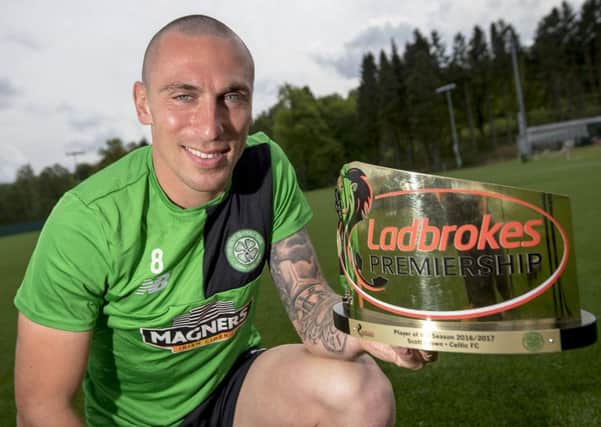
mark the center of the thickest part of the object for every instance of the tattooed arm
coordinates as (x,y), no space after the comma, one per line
(308,301)
(307,298)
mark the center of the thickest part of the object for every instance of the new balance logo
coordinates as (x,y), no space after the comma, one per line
(150,286)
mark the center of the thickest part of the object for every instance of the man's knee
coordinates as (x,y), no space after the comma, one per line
(364,394)
(302,389)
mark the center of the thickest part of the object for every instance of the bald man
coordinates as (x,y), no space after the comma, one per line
(143,283)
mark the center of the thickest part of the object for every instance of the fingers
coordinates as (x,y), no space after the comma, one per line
(413,359)
(428,356)
(408,358)
(381,351)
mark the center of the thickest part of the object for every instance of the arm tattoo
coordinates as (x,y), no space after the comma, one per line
(306,296)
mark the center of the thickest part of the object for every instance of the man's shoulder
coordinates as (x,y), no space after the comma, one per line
(261,152)
(259,138)
(113,179)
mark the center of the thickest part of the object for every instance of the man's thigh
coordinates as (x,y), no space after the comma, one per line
(287,385)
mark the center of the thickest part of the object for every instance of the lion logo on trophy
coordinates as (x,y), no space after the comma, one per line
(354,200)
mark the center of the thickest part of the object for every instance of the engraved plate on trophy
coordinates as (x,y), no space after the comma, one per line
(452,265)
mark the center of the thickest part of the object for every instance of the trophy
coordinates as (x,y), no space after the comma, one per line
(452,265)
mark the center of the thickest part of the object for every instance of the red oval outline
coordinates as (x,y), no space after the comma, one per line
(480,311)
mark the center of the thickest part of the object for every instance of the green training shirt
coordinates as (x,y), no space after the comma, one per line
(170,293)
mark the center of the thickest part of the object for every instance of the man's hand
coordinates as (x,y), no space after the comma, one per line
(403,357)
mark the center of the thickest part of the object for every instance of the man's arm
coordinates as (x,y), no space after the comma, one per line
(309,300)
(49,367)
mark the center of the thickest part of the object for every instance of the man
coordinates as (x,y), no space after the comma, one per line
(145,276)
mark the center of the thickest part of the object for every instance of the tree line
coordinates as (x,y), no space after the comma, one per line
(31,197)
(395,117)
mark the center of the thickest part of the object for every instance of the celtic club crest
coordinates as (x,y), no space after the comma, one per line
(244,250)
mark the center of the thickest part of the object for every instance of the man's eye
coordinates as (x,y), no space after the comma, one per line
(232,97)
(183,98)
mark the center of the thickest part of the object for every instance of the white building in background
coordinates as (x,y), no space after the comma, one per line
(555,135)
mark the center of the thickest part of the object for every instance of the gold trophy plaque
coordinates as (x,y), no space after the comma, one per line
(452,265)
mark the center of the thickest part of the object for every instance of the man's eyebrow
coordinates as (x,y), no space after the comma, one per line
(232,87)
(179,86)
(237,87)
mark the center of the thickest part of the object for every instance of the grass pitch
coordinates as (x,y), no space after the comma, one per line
(561,389)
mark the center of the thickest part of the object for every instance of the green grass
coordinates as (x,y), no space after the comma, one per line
(561,389)
(14,255)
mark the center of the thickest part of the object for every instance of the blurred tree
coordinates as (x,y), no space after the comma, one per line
(555,59)
(589,38)
(83,170)
(6,203)
(340,116)
(401,109)
(32,197)
(303,133)
(479,78)
(502,84)
(112,152)
(458,72)
(133,145)
(13,207)
(264,122)
(367,110)
(439,50)
(548,59)
(52,183)
(26,201)
(427,108)
(388,114)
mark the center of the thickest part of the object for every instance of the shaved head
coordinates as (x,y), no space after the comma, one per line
(193,26)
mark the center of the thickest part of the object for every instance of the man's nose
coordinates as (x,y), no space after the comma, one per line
(209,120)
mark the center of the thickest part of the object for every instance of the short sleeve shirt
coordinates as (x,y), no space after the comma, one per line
(169,293)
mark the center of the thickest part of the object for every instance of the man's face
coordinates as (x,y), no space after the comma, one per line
(197,99)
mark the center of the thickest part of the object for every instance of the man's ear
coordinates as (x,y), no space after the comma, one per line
(141,103)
